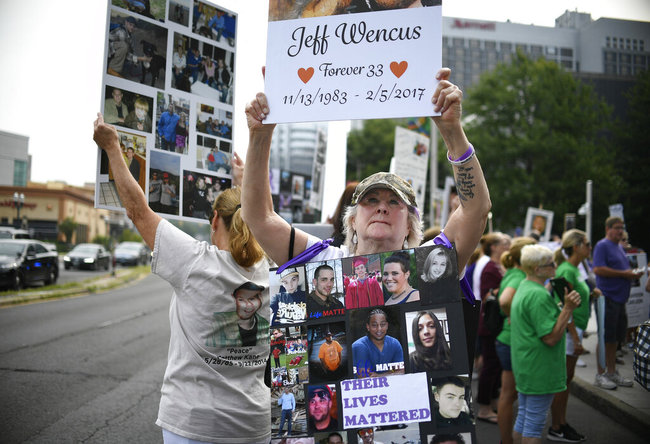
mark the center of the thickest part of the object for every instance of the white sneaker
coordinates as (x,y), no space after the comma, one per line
(581,363)
(603,381)
(620,380)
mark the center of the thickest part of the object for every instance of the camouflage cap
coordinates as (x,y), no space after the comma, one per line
(386,180)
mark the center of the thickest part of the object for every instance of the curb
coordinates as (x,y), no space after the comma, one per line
(611,406)
(102,283)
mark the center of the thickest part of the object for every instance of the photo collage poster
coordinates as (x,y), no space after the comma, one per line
(370,345)
(168,87)
(291,194)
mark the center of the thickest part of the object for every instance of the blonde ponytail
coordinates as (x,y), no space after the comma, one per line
(242,245)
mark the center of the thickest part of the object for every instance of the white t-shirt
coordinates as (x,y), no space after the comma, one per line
(213,389)
(476,277)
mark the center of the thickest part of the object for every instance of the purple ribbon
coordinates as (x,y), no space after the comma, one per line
(443,240)
(306,255)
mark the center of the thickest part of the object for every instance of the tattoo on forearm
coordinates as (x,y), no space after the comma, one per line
(465,183)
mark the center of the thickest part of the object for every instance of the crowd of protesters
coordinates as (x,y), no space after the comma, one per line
(221,287)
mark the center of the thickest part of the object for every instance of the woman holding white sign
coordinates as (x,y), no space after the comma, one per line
(383,215)
(213,389)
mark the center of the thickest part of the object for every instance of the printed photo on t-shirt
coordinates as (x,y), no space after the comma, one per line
(243,327)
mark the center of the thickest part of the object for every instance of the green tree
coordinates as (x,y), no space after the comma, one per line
(632,137)
(67,227)
(129,236)
(103,240)
(536,131)
(371,147)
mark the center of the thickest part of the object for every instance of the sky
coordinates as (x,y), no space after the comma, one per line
(51,75)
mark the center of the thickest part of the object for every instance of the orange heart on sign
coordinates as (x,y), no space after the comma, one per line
(305,74)
(398,68)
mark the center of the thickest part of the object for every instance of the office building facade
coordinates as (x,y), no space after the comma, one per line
(579,44)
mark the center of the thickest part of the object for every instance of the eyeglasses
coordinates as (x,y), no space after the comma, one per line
(322,394)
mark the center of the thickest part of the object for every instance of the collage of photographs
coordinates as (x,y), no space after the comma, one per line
(344,331)
(292,196)
(168,87)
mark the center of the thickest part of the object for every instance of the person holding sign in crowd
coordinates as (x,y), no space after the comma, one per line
(229,275)
(511,260)
(575,248)
(537,342)
(383,215)
(431,348)
(377,353)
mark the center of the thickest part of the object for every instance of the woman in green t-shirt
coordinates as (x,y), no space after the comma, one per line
(537,342)
(511,260)
(575,248)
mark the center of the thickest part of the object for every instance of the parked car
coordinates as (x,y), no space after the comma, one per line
(13,233)
(92,256)
(24,262)
(132,253)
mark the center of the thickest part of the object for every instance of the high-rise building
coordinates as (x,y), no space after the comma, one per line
(15,161)
(577,43)
(294,146)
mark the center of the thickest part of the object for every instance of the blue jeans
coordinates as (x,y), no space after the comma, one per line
(286,414)
(532,413)
(503,352)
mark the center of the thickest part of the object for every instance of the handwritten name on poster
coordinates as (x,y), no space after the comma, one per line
(353,66)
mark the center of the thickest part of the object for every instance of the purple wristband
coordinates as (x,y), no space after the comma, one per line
(464,158)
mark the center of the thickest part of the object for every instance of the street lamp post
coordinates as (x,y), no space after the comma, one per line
(19,200)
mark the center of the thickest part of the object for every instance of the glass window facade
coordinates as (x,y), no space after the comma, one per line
(20,173)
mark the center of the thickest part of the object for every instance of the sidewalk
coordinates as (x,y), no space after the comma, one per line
(630,406)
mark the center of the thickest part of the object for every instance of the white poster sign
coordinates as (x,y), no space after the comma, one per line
(412,160)
(352,66)
(385,400)
(168,86)
(638,305)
